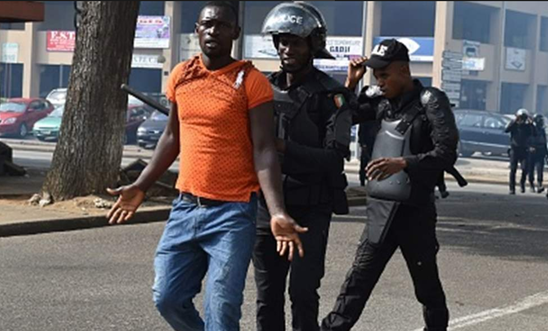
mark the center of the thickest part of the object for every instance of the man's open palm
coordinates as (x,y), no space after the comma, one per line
(130,198)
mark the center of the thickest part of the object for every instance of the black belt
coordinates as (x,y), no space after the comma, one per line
(188,197)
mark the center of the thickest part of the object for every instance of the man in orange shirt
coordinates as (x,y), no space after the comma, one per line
(221,125)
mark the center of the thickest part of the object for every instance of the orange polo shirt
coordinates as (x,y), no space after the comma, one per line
(216,151)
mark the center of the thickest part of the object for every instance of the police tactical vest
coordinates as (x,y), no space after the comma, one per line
(393,140)
(300,118)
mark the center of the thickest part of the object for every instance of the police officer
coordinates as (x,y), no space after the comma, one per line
(521,131)
(313,124)
(538,155)
(417,140)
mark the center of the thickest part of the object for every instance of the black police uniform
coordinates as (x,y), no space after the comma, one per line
(521,136)
(536,160)
(314,120)
(409,224)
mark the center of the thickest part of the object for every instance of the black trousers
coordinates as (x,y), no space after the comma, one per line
(413,231)
(536,166)
(271,270)
(518,156)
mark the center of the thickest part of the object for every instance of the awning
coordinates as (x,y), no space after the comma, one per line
(21,11)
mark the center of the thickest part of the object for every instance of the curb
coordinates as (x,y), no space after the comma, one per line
(159,214)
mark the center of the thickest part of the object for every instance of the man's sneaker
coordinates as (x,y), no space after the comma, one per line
(513,192)
(444,194)
(540,189)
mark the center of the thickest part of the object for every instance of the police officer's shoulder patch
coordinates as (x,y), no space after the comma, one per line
(339,100)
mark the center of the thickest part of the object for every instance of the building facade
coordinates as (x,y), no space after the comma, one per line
(486,55)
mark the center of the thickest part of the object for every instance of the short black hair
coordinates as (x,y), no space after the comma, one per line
(233,6)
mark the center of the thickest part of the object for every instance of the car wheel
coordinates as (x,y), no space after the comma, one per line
(463,152)
(23,131)
(41,138)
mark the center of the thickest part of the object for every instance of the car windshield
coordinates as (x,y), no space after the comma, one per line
(17,107)
(58,112)
(131,100)
(157,116)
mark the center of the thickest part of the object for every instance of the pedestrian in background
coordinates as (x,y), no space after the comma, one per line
(521,131)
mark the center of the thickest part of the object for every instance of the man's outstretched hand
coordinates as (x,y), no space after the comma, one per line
(286,232)
(129,199)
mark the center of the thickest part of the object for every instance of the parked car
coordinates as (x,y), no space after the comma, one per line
(136,115)
(151,130)
(48,128)
(18,115)
(482,131)
(57,97)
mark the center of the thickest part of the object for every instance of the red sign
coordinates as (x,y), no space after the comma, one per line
(60,41)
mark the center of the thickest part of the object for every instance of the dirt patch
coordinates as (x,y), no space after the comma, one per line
(88,205)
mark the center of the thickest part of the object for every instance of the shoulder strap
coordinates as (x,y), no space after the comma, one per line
(409,117)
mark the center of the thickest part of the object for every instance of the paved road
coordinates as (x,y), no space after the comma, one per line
(42,159)
(494,265)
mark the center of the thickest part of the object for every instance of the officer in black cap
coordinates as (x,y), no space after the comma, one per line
(313,124)
(416,141)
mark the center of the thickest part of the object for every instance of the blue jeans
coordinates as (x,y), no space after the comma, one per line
(218,240)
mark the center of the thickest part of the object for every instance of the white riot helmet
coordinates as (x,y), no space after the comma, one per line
(522,112)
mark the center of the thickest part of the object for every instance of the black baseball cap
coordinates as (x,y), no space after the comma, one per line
(388,51)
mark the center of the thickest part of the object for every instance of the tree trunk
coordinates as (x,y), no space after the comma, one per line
(89,151)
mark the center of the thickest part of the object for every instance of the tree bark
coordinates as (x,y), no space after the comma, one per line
(89,151)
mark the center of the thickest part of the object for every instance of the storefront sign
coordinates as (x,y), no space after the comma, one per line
(262,47)
(259,47)
(470,59)
(338,65)
(421,49)
(345,47)
(342,48)
(452,63)
(60,41)
(10,52)
(515,59)
(146,61)
(473,63)
(152,32)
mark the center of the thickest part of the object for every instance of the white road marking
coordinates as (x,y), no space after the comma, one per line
(519,306)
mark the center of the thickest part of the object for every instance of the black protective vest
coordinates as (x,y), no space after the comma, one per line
(300,117)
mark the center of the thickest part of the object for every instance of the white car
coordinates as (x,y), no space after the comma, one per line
(58,97)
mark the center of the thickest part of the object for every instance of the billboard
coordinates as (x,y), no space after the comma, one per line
(60,41)
(152,32)
(421,49)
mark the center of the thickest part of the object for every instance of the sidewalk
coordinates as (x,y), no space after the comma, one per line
(17,217)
